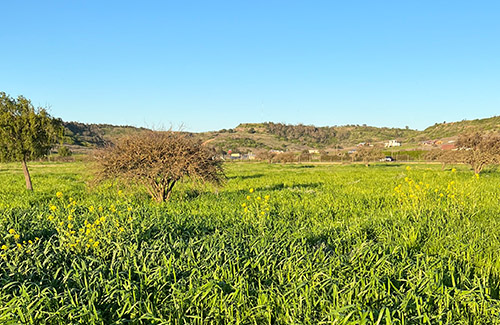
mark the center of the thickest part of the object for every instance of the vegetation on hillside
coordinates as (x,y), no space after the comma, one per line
(251,136)
(453,129)
(95,135)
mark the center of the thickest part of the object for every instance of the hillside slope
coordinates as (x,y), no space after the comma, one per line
(278,136)
(453,129)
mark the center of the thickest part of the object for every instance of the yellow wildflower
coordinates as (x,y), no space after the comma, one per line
(12,231)
(59,195)
(19,245)
(251,190)
(51,217)
(53,208)
(16,237)
(4,247)
(408,168)
(248,197)
(267,197)
(91,208)
(244,205)
(453,170)
(70,226)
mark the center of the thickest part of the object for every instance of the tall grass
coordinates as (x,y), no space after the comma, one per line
(278,244)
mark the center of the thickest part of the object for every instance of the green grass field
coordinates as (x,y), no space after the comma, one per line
(278,244)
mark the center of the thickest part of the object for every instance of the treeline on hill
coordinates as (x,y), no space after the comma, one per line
(318,137)
(94,135)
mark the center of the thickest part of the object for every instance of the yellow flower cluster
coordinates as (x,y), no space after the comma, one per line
(13,241)
(83,228)
(256,205)
(417,194)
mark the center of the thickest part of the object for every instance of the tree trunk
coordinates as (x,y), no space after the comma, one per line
(27,177)
(169,190)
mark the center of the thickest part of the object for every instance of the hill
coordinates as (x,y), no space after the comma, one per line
(279,136)
(94,135)
(452,129)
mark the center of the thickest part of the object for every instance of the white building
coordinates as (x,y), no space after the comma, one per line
(392,143)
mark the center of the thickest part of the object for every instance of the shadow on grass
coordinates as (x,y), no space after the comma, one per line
(386,165)
(282,186)
(242,177)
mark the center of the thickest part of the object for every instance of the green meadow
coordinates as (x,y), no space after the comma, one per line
(277,244)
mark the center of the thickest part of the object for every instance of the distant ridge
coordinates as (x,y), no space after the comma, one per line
(279,136)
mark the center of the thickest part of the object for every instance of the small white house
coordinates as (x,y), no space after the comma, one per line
(313,151)
(392,143)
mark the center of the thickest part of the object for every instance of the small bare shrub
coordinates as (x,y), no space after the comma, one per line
(158,160)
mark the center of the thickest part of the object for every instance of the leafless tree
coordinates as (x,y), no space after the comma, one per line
(286,157)
(368,154)
(479,149)
(158,160)
(265,155)
(445,157)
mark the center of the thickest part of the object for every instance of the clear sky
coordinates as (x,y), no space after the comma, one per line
(210,65)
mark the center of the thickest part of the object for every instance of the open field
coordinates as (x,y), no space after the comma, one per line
(279,244)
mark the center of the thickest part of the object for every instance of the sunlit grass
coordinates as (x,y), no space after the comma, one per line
(304,244)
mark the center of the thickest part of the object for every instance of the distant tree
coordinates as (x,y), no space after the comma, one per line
(26,132)
(324,156)
(368,154)
(158,160)
(286,157)
(479,150)
(265,155)
(64,151)
(304,156)
(445,157)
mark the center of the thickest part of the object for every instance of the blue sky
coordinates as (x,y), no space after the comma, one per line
(210,65)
